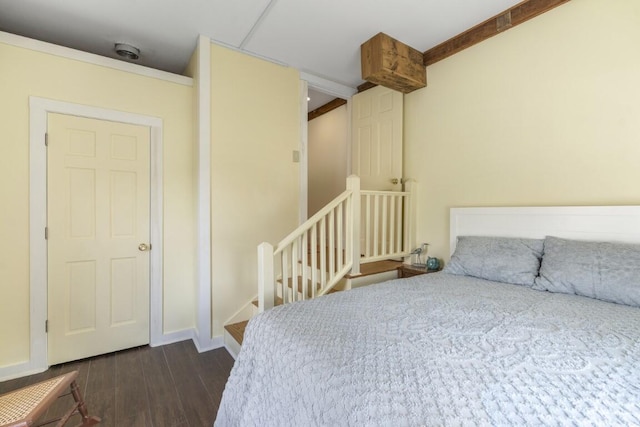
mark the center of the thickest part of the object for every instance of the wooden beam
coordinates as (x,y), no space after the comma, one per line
(329,106)
(393,64)
(366,85)
(518,14)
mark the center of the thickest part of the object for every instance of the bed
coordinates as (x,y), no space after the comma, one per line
(535,321)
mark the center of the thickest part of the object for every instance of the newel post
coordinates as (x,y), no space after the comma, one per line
(266,285)
(353,184)
(410,209)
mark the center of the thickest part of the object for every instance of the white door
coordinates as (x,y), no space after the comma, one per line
(98,224)
(377,138)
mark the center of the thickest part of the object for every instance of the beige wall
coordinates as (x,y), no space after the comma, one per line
(327,154)
(25,73)
(255,126)
(546,113)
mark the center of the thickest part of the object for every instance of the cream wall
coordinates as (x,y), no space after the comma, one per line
(255,126)
(25,73)
(546,113)
(327,154)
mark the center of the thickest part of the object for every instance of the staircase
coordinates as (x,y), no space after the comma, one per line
(355,240)
(370,273)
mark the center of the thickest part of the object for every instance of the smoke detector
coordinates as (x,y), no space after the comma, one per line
(127,51)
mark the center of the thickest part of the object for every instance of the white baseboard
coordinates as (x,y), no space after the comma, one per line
(173,337)
(202,344)
(205,344)
(231,345)
(18,370)
(24,369)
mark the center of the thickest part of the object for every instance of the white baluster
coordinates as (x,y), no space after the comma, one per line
(266,284)
(339,250)
(314,260)
(376,224)
(367,226)
(323,250)
(294,270)
(353,184)
(401,240)
(411,187)
(392,224)
(332,245)
(384,225)
(305,265)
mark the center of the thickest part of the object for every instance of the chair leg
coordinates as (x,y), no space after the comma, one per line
(82,407)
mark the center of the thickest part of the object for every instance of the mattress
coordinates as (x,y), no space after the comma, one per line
(442,350)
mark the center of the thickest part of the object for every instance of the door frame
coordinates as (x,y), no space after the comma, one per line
(311,81)
(39,108)
(304,153)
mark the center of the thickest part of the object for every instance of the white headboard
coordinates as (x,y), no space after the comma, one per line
(602,223)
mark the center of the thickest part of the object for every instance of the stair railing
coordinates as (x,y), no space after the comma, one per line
(387,224)
(354,228)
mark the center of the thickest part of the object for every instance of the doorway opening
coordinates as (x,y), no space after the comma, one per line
(328,148)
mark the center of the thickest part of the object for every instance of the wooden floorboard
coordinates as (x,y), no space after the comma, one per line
(171,386)
(102,403)
(198,405)
(164,407)
(100,388)
(211,362)
(131,396)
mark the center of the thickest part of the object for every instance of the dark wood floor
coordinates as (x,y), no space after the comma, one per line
(171,385)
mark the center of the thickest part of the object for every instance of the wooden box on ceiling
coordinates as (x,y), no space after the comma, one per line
(388,62)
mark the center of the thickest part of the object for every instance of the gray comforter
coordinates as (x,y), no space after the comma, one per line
(438,350)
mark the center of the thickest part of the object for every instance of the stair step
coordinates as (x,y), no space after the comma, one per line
(299,282)
(376,267)
(236,330)
(277,302)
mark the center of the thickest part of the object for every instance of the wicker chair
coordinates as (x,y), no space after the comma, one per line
(23,407)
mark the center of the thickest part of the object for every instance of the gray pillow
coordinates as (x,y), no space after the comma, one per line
(501,259)
(601,270)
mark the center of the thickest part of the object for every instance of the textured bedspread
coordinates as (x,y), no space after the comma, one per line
(438,350)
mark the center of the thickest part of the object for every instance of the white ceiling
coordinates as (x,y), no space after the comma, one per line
(321,38)
(317,99)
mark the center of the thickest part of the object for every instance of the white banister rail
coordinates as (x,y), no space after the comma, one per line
(356,227)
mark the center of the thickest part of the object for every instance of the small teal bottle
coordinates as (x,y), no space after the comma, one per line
(433,263)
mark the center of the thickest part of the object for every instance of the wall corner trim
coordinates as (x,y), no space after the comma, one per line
(203,142)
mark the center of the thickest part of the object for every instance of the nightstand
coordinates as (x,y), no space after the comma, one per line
(407,270)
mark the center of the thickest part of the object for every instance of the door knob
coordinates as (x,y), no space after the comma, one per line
(144,247)
(394,181)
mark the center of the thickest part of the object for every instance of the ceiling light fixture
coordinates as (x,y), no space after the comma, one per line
(127,51)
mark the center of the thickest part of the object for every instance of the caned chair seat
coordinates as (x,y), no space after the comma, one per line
(23,407)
